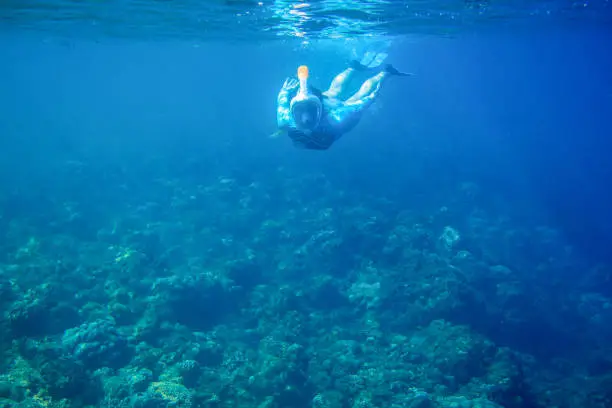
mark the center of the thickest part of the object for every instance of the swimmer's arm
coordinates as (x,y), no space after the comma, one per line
(283,113)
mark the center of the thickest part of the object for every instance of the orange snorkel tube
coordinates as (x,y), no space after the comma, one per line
(302,74)
(304,103)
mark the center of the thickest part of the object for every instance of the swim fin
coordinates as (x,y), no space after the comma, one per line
(393,71)
(370,60)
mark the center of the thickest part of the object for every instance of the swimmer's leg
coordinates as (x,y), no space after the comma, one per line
(349,115)
(338,83)
(369,88)
(373,85)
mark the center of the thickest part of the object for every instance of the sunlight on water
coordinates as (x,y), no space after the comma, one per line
(269,19)
(331,18)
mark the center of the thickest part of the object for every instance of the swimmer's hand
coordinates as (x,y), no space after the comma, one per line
(290,83)
(283,106)
(276,134)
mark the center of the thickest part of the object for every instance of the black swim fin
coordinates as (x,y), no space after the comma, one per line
(370,61)
(391,70)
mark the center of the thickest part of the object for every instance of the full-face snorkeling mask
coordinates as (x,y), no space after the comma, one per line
(305,107)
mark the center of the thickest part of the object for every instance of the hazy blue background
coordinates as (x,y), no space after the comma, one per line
(147,214)
(525,113)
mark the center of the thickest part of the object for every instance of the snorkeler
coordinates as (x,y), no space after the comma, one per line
(315,119)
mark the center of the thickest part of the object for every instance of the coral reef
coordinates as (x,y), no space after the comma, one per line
(233,292)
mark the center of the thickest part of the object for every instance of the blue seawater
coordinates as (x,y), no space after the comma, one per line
(163,245)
